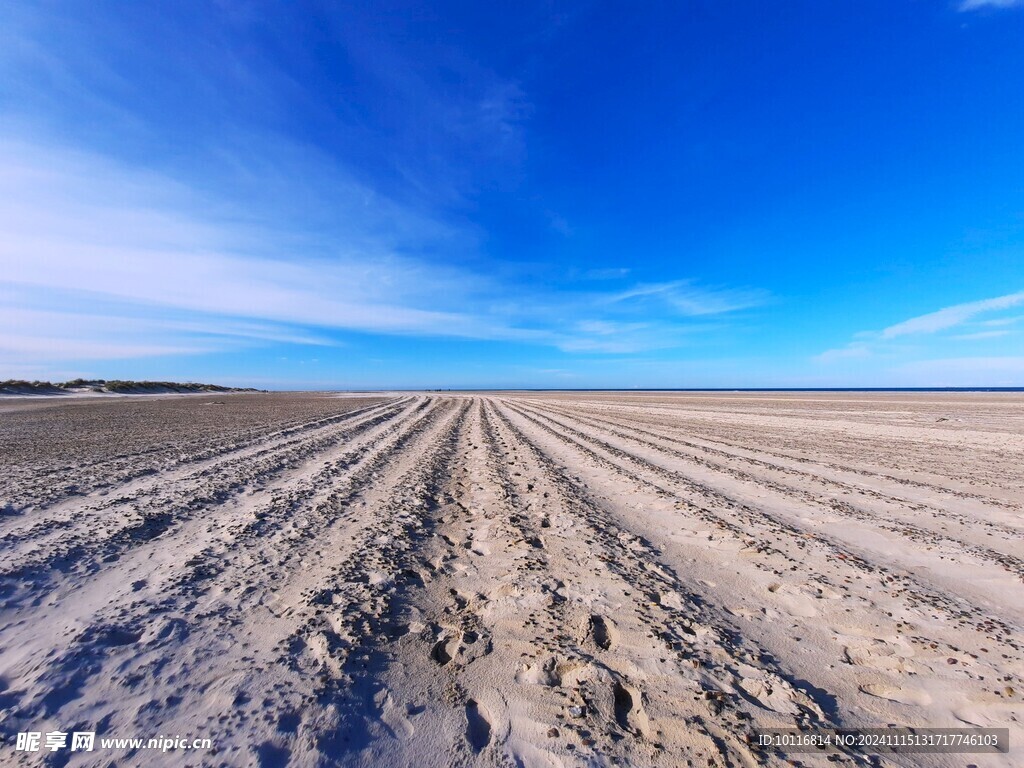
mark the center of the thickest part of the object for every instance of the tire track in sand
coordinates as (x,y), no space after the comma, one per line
(210,608)
(887,637)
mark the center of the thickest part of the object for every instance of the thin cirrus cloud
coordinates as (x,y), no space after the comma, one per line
(932,327)
(99,334)
(100,261)
(951,316)
(244,234)
(981,335)
(974,5)
(71,226)
(687,299)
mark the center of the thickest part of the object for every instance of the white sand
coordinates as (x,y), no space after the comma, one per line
(558,579)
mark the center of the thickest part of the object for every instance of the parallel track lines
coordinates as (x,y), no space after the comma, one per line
(777,533)
(503,580)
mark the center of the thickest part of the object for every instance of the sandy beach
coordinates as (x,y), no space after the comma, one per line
(501,579)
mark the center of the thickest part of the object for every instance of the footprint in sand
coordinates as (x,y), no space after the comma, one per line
(603,632)
(440,652)
(629,712)
(395,717)
(478,726)
(541,673)
(464,647)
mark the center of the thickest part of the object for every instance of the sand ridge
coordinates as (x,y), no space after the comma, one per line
(513,579)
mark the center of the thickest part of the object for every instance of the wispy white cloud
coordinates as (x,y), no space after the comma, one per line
(79,224)
(979,335)
(66,335)
(151,202)
(30,347)
(688,299)
(615,338)
(852,351)
(606,328)
(926,337)
(974,5)
(952,316)
(102,261)
(998,322)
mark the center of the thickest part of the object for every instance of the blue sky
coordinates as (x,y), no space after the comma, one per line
(540,194)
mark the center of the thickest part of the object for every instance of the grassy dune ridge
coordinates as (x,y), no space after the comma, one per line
(23,387)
